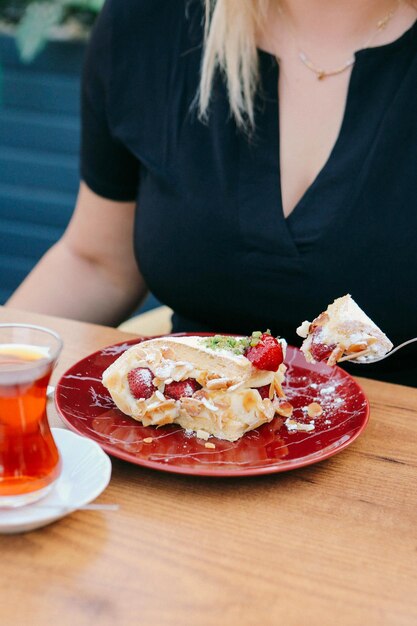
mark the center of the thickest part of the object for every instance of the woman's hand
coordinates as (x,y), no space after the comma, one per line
(91,273)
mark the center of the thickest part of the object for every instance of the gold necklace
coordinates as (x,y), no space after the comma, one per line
(321,73)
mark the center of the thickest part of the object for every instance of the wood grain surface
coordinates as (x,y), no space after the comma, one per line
(331,544)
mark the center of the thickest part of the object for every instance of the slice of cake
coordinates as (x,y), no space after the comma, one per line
(222,386)
(343,332)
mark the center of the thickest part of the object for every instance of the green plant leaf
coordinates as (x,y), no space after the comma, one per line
(32,32)
(89,5)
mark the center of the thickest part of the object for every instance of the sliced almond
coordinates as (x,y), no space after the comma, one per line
(321,320)
(278,388)
(357,347)
(148,440)
(335,356)
(218,383)
(210,445)
(285,409)
(314,410)
(354,355)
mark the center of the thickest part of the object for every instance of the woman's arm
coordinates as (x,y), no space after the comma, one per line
(91,273)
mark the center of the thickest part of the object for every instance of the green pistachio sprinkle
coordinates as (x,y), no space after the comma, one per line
(236,345)
(232,344)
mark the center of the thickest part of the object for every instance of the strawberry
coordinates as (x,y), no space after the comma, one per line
(264,391)
(140,383)
(321,351)
(266,354)
(182,389)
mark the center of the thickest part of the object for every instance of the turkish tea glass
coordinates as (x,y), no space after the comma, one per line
(29,459)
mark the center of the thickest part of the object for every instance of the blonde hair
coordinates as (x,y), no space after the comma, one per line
(230,45)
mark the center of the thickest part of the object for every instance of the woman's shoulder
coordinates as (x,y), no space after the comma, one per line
(135,15)
(148,29)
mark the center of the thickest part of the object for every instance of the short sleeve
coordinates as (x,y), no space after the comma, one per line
(107,166)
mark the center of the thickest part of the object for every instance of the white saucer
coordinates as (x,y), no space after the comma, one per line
(86,472)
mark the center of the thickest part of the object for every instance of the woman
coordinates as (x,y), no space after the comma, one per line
(254,178)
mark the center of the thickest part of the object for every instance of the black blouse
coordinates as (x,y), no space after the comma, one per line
(210,236)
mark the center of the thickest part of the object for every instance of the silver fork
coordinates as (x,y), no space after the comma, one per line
(352,357)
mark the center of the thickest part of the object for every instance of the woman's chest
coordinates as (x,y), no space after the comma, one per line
(311,114)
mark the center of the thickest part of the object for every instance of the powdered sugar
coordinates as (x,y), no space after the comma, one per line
(326,395)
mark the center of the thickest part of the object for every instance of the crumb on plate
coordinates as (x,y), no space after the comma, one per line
(293,426)
(202,434)
(285,409)
(314,409)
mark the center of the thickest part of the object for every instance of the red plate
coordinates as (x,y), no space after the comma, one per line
(87,408)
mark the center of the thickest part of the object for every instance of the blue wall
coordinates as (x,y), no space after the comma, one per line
(39,129)
(39,141)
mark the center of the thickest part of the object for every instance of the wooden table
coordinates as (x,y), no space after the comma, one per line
(331,544)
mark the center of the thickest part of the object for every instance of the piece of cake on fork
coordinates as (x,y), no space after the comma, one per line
(343,332)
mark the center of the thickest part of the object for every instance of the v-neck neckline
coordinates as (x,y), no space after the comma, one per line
(269,71)
(262,223)
(335,148)
(271,88)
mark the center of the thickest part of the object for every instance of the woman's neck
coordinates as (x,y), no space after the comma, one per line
(341,25)
(342,15)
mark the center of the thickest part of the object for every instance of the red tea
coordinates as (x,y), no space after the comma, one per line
(29,459)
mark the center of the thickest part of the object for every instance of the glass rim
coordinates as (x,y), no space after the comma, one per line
(43,329)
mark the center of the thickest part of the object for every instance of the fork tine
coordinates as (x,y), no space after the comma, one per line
(381,358)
